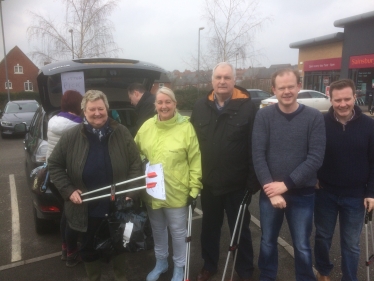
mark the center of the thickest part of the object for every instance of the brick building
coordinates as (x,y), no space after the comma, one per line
(22,72)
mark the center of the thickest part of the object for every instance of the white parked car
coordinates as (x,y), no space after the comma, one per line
(310,98)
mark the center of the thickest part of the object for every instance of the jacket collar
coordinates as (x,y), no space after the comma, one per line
(357,109)
(238,93)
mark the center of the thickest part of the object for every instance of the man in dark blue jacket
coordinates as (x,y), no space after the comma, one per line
(346,181)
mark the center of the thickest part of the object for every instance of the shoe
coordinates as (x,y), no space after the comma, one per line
(322,277)
(64,255)
(178,274)
(161,267)
(204,275)
(73,259)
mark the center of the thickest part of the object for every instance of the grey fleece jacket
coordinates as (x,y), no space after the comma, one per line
(288,148)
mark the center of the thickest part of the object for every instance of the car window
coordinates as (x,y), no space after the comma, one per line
(316,95)
(263,94)
(35,128)
(14,107)
(253,94)
(304,95)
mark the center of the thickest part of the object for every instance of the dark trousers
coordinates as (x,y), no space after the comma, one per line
(213,214)
(69,236)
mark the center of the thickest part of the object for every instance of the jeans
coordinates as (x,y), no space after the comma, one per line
(351,218)
(213,213)
(299,215)
(176,220)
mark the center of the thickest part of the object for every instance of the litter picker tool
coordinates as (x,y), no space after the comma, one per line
(149,175)
(112,193)
(234,247)
(188,247)
(369,258)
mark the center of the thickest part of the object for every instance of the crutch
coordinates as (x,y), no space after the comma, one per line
(233,248)
(369,259)
(188,246)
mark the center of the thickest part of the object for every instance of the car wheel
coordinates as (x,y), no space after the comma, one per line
(41,226)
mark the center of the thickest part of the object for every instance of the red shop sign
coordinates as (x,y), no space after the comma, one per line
(325,64)
(366,61)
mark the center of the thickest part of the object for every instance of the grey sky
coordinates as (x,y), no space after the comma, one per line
(165,32)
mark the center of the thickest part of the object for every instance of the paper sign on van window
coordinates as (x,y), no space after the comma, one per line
(73,81)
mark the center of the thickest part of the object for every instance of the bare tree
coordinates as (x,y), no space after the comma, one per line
(85,32)
(232,28)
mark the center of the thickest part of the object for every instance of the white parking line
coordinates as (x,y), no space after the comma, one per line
(16,234)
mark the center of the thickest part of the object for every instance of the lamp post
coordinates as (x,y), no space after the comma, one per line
(6,66)
(236,62)
(198,62)
(72,45)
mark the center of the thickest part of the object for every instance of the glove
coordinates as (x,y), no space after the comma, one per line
(191,202)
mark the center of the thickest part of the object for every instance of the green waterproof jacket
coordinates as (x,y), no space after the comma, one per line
(174,144)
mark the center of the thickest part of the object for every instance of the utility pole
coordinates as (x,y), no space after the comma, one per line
(6,66)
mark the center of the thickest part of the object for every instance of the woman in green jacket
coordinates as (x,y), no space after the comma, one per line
(169,139)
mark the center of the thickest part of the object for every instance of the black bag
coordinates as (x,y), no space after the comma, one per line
(109,236)
(41,179)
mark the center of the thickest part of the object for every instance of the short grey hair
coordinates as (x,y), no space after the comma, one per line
(93,95)
(224,64)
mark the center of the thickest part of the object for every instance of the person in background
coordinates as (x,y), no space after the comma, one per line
(288,149)
(144,103)
(223,122)
(169,138)
(346,181)
(68,118)
(97,153)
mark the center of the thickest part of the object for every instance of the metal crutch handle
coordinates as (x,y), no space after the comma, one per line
(369,259)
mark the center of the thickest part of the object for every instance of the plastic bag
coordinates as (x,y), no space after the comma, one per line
(41,179)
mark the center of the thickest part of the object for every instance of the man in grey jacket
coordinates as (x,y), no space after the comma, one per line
(288,147)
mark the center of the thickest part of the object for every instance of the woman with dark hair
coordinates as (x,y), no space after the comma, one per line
(68,118)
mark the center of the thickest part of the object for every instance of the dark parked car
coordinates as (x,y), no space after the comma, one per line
(258,95)
(15,112)
(112,76)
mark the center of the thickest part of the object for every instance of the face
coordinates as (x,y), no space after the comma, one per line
(343,101)
(96,113)
(165,107)
(134,97)
(286,90)
(223,81)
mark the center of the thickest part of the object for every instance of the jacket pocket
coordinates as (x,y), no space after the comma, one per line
(202,128)
(237,129)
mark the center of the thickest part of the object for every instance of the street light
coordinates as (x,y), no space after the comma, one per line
(236,62)
(6,67)
(72,45)
(198,62)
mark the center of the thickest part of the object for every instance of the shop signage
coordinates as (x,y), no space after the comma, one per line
(366,61)
(326,80)
(325,64)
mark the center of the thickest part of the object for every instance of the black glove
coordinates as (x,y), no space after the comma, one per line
(191,202)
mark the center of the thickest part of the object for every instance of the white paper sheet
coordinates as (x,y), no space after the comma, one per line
(158,191)
(73,81)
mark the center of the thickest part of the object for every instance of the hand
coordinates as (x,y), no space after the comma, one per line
(191,202)
(275,188)
(75,197)
(317,186)
(278,201)
(369,204)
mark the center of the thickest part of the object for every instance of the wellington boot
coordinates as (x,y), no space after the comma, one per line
(161,267)
(119,267)
(93,270)
(178,274)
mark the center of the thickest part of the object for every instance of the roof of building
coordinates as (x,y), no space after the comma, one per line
(330,38)
(354,19)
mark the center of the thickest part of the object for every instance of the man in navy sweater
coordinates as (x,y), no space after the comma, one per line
(346,181)
(288,147)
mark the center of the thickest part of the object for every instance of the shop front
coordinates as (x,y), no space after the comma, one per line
(361,71)
(320,73)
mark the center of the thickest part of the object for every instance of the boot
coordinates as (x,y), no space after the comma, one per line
(119,267)
(178,274)
(161,267)
(93,270)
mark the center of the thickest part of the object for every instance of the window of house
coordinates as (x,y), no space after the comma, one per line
(18,69)
(160,85)
(8,85)
(28,86)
